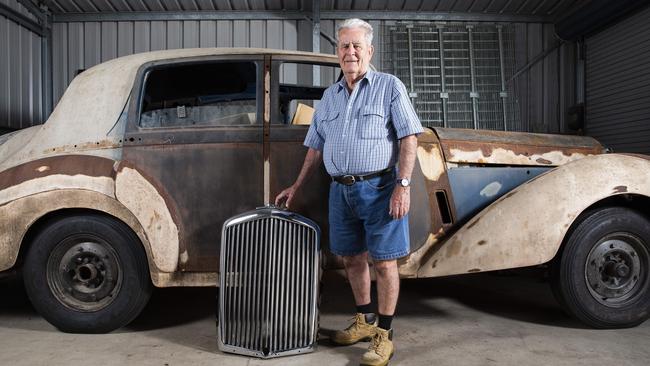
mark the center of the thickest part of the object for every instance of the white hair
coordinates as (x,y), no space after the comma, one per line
(356,23)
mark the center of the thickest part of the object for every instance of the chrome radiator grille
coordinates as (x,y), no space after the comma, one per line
(269,276)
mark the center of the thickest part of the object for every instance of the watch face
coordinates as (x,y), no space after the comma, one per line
(403,182)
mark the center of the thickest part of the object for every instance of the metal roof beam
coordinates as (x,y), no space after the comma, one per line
(296,15)
(21,19)
(434,16)
(34,9)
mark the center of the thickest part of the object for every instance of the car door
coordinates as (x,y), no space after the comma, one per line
(294,94)
(195,132)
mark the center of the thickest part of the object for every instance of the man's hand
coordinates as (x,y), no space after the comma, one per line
(312,161)
(287,195)
(400,202)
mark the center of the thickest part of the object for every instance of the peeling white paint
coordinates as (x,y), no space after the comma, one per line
(149,207)
(431,161)
(491,189)
(504,156)
(42,168)
(56,182)
(184,257)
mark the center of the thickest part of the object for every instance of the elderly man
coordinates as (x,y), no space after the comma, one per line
(364,126)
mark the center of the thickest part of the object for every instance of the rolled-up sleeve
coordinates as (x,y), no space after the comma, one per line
(405,120)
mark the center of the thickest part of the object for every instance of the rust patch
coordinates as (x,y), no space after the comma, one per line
(544,161)
(92,166)
(185,279)
(481,242)
(432,248)
(620,189)
(90,145)
(474,270)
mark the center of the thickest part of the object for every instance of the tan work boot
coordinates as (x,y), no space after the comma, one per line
(357,331)
(380,350)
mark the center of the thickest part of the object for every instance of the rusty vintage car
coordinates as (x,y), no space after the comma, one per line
(128,183)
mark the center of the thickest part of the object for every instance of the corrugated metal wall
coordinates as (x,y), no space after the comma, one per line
(83,45)
(547,88)
(542,97)
(20,73)
(617,100)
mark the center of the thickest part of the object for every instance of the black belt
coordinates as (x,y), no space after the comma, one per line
(349,180)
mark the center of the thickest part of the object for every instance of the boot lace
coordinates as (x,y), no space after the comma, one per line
(357,322)
(377,341)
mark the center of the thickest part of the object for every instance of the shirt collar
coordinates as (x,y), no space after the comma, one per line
(369,76)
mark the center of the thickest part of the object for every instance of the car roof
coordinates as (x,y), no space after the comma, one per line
(89,112)
(97,96)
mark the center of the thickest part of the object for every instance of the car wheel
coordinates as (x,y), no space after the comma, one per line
(603,274)
(87,274)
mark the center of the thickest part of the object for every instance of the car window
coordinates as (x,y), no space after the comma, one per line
(205,94)
(299,92)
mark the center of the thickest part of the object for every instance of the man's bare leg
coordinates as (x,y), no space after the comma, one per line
(363,328)
(356,267)
(387,286)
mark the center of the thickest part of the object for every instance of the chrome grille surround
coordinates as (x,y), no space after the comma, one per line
(268,284)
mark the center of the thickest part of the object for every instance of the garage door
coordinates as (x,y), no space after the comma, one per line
(618,85)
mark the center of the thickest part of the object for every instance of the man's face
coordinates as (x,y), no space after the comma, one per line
(353,51)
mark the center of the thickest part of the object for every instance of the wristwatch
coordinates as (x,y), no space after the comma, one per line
(404,182)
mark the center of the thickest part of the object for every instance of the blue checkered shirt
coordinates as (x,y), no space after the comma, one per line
(358,133)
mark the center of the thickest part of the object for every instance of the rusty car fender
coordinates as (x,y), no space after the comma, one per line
(538,215)
(148,205)
(32,190)
(26,211)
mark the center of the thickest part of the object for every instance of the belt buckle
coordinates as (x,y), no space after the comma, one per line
(348,180)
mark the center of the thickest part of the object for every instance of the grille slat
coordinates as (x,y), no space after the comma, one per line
(269,282)
(247,275)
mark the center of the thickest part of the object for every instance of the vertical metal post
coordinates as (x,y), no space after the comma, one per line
(444,96)
(47,77)
(503,94)
(394,46)
(316,38)
(412,93)
(473,94)
(580,72)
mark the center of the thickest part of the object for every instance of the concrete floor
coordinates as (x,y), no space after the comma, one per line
(483,319)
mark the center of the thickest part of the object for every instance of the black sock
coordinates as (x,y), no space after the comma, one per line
(366,310)
(385,321)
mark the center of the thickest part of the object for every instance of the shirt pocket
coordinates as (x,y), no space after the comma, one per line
(326,122)
(373,122)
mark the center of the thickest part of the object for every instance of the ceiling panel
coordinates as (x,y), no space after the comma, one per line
(551,8)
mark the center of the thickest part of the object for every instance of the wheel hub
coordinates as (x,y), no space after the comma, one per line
(613,269)
(83,273)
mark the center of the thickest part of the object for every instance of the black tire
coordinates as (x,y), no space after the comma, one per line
(87,274)
(602,276)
